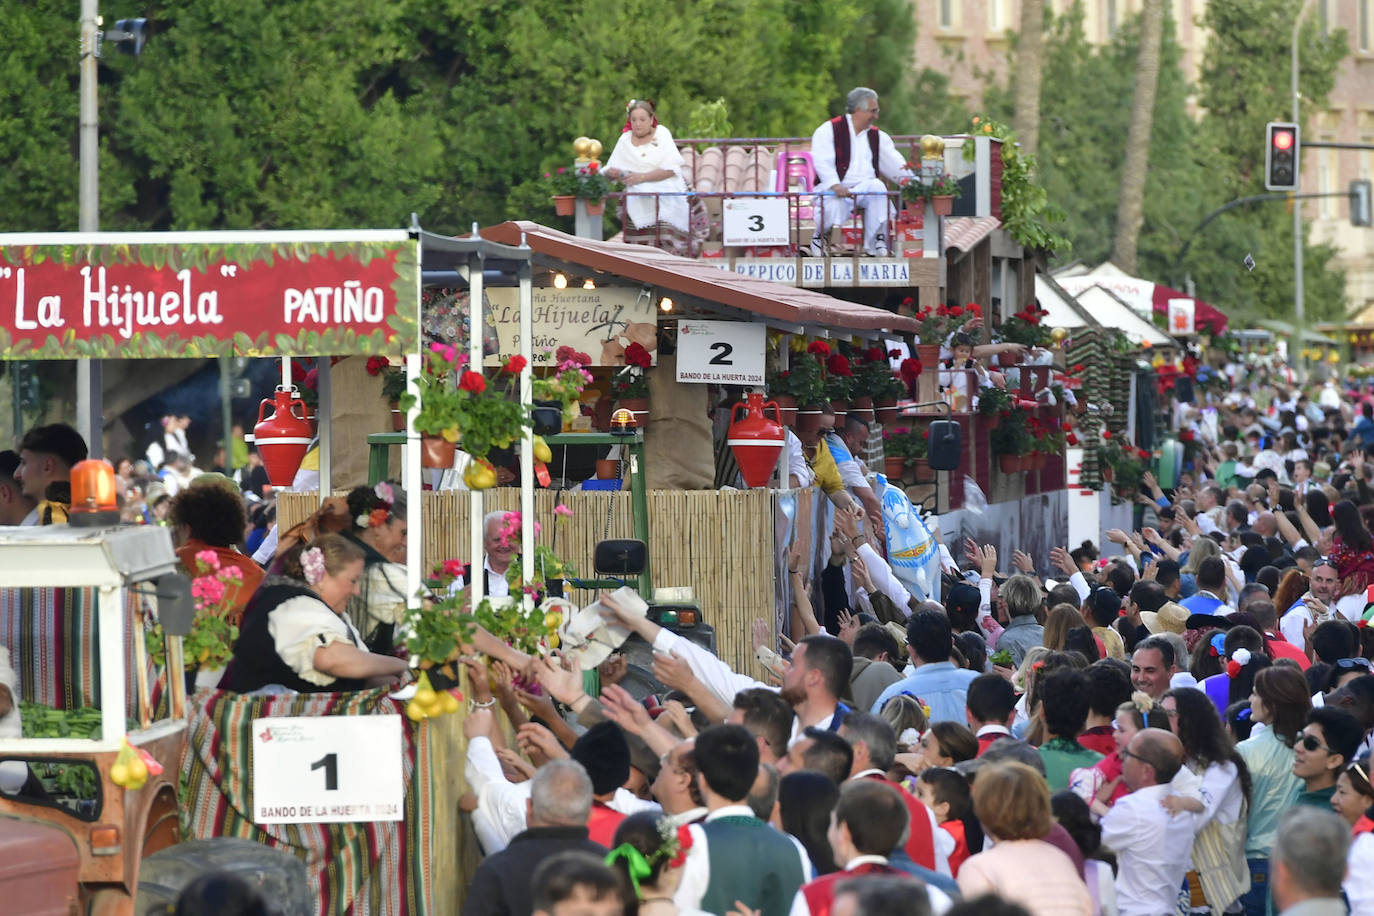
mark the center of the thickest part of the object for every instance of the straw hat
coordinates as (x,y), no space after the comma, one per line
(1170,618)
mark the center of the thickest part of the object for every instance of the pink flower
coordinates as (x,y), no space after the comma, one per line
(208,559)
(444,351)
(232,573)
(453,567)
(207,588)
(561,509)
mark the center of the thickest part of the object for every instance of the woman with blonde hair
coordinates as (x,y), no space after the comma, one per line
(1062,619)
(908,719)
(1012,802)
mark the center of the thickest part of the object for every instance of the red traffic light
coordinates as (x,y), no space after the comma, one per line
(1283,139)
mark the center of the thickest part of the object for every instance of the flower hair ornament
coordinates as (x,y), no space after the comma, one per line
(909,737)
(381,512)
(1216,645)
(674,846)
(629,106)
(1239,659)
(312,564)
(1143,702)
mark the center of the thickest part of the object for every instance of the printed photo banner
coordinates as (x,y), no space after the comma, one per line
(208,294)
(598,322)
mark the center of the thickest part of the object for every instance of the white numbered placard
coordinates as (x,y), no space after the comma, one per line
(327,769)
(755,221)
(725,352)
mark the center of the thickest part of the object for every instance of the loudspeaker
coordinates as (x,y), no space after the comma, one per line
(945,445)
(622,558)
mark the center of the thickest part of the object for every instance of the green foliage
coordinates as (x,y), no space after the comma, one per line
(1195,165)
(906,443)
(710,119)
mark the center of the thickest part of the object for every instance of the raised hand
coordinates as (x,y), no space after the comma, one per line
(538,743)
(673,671)
(560,679)
(987,561)
(1063,561)
(1022,562)
(624,710)
(513,766)
(761,633)
(849,626)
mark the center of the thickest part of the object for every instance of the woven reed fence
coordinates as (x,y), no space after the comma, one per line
(720,543)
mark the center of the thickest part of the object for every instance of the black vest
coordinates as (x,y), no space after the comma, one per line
(256,663)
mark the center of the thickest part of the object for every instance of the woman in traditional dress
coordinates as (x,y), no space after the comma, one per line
(379,528)
(295,633)
(656,210)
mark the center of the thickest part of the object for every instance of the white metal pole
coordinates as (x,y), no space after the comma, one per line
(410,453)
(324,417)
(476,316)
(1298,307)
(527,449)
(88,375)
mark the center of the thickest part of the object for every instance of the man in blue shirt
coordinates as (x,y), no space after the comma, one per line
(937,682)
(1363,430)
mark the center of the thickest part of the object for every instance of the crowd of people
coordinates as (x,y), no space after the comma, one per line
(1178,721)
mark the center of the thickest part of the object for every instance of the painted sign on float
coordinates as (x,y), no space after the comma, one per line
(132,295)
(601,323)
(811,271)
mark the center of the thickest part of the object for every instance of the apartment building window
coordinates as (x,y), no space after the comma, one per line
(995,16)
(1362,26)
(1110,18)
(946,14)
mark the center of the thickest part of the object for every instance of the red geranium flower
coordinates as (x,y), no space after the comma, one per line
(473,381)
(818,348)
(955,311)
(838,364)
(1106,434)
(636,355)
(515,365)
(974,309)
(376,364)
(910,369)
(908,301)
(893,354)
(1070,439)
(875,354)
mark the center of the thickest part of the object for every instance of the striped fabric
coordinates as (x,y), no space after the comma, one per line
(377,868)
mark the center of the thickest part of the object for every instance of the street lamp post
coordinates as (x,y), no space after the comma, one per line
(1298,306)
(88,391)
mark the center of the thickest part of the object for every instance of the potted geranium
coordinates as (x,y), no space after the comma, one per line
(801,384)
(556,396)
(1011,441)
(902,447)
(393,386)
(593,187)
(874,382)
(563,187)
(210,644)
(630,386)
(992,403)
(939,190)
(1024,328)
(839,384)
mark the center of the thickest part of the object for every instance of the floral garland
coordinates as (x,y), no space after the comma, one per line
(381,512)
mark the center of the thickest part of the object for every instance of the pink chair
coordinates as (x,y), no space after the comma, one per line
(796,173)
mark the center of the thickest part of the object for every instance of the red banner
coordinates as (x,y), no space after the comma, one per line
(316,295)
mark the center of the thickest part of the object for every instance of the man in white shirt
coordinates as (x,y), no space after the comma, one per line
(850,153)
(1154,849)
(1315,606)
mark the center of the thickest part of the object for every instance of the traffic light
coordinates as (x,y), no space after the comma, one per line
(1281,156)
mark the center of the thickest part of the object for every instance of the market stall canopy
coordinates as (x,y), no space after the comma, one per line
(1144,297)
(107,295)
(1285,329)
(785,307)
(1110,312)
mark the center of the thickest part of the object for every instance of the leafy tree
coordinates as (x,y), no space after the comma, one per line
(1129,214)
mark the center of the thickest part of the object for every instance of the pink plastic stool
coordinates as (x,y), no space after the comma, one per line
(796,172)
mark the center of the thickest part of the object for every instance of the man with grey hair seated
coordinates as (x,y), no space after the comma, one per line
(852,157)
(559,804)
(1307,863)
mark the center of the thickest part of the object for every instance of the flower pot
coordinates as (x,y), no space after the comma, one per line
(787,409)
(596,208)
(547,417)
(894,466)
(885,411)
(606,468)
(563,204)
(398,418)
(808,422)
(921,470)
(1038,460)
(437,452)
(862,407)
(840,408)
(1009,464)
(991,420)
(637,406)
(928,382)
(1108,473)
(942,204)
(208,678)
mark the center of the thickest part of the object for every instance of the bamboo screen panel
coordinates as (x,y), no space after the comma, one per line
(720,543)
